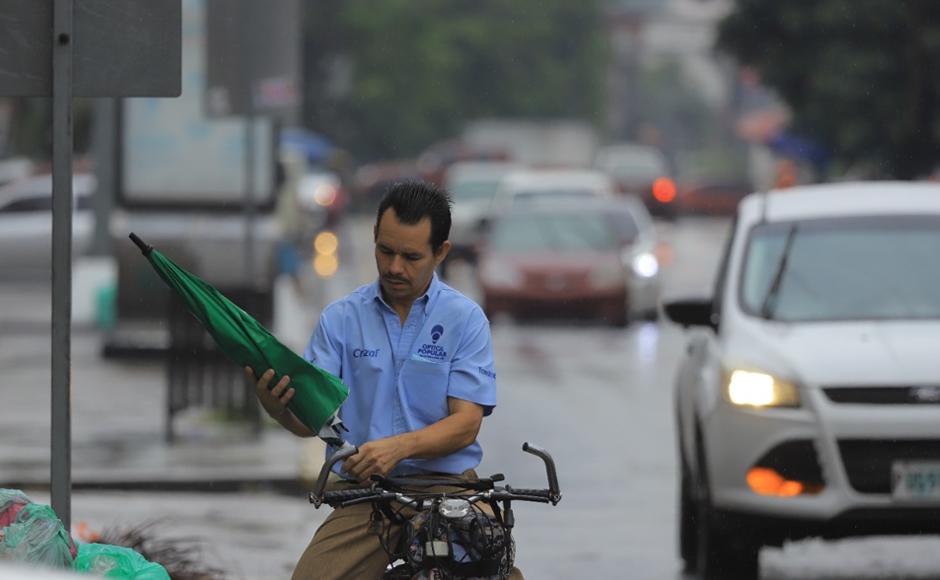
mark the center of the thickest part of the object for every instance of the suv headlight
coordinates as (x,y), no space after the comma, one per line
(746,388)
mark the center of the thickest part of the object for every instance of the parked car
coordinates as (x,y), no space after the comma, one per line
(807,402)
(567,259)
(473,186)
(640,170)
(26,224)
(540,185)
(719,198)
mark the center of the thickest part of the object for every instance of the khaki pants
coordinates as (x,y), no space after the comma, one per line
(346,547)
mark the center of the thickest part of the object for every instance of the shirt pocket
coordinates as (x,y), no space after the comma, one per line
(424,390)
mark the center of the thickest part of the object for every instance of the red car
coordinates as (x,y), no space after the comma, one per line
(712,198)
(558,260)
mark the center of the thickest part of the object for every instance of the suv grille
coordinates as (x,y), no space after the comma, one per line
(868,461)
(914,395)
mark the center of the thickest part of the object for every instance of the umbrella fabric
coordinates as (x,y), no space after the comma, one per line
(317,393)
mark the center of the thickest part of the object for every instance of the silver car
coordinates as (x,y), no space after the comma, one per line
(26,224)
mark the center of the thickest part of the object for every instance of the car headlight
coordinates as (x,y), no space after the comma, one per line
(501,275)
(644,265)
(756,389)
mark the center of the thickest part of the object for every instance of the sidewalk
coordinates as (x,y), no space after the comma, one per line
(118,406)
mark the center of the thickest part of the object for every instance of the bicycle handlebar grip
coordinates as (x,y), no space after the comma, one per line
(344,495)
(554,491)
(547,494)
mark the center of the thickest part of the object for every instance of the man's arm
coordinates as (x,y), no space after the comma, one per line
(452,433)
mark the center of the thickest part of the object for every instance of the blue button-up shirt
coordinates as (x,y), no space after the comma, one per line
(400,375)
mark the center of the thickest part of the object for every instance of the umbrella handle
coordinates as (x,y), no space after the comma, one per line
(145,249)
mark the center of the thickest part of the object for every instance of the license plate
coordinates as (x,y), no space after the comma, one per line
(916,480)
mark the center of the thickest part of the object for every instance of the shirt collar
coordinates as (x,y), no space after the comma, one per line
(434,288)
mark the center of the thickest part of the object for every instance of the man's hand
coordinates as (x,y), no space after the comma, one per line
(273,400)
(377,457)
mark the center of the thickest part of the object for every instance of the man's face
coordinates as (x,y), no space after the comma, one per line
(404,257)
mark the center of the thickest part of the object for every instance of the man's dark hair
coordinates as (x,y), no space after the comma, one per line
(412,201)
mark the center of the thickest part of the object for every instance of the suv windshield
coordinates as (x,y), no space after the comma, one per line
(846,269)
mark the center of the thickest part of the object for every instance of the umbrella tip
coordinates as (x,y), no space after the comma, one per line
(144,248)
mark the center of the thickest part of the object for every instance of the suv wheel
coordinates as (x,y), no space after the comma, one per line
(719,553)
(687,529)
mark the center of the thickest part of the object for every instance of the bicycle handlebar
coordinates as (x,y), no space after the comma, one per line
(316,496)
(542,454)
(377,491)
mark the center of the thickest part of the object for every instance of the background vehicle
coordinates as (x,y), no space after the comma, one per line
(711,198)
(465,532)
(636,235)
(556,259)
(26,224)
(538,143)
(640,170)
(534,185)
(807,406)
(473,186)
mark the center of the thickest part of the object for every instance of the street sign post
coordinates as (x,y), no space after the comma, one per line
(80,48)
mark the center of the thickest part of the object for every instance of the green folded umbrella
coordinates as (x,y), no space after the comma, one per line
(318,394)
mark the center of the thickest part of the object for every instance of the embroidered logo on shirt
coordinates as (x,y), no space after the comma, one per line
(436,333)
(366,353)
(432,352)
(487,373)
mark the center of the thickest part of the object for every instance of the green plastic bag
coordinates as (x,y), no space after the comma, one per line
(38,537)
(117,562)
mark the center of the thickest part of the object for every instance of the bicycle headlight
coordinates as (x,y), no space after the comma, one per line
(747,388)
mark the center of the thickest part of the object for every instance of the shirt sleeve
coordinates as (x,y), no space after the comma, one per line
(472,370)
(325,348)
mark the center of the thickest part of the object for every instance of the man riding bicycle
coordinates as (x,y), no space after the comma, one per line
(417,357)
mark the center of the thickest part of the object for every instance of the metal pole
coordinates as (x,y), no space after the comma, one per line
(250,200)
(61,258)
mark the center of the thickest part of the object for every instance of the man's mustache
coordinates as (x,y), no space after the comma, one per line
(394,279)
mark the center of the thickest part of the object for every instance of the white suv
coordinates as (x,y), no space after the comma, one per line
(808,402)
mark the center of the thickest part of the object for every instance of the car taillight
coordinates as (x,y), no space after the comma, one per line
(664,190)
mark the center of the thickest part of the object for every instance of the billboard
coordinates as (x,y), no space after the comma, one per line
(175,155)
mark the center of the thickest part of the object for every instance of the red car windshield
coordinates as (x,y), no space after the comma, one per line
(557,232)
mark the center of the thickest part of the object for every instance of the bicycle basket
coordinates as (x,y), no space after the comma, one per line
(460,539)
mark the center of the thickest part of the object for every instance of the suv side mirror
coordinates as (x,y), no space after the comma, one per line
(692,312)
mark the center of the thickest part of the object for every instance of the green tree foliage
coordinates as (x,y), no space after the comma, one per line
(420,68)
(859,75)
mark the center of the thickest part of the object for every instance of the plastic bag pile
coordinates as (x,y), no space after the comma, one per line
(31,533)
